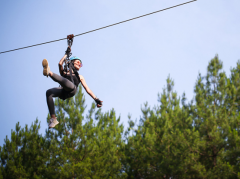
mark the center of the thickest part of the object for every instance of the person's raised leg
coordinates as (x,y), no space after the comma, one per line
(65,83)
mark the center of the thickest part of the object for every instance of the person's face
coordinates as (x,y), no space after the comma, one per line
(77,64)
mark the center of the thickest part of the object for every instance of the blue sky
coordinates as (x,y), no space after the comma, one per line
(125,65)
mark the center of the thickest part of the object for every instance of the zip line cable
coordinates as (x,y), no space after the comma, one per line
(101,27)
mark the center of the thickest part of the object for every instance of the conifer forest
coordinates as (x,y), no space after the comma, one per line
(175,139)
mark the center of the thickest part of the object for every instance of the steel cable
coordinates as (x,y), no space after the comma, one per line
(101,27)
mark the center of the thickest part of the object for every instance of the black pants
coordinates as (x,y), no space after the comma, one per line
(67,90)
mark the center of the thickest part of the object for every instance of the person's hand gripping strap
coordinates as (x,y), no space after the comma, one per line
(68,50)
(99,103)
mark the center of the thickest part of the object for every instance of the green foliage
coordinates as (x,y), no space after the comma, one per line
(195,140)
(87,149)
(77,148)
(216,117)
(198,140)
(24,156)
(162,144)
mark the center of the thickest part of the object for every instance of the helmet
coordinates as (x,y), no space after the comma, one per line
(76,58)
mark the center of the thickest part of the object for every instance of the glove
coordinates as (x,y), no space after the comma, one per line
(68,50)
(99,103)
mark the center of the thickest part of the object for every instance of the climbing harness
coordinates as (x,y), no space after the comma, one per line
(69,66)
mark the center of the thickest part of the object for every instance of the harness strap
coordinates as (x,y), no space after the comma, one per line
(72,68)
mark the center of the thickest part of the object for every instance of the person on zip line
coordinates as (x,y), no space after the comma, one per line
(69,82)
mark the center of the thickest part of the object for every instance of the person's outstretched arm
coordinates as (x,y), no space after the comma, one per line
(60,64)
(89,91)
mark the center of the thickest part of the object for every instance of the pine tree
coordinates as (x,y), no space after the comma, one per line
(162,144)
(24,156)
(84,148)
(233,148)
(216,117)
(77,148)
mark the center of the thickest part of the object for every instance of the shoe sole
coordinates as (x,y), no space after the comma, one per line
(45,67)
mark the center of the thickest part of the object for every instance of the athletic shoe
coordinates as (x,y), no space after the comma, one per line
(46,68)
(53,123)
